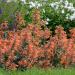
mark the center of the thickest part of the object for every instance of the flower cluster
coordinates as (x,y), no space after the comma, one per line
(19,20)
(64,7)
(35,45)
(4,25)
(35,4)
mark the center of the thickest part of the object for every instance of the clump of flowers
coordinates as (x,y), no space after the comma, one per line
(35,45)
(4,25)
(64,8)
(20,22)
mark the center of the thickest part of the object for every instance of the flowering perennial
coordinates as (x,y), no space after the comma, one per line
(35,45)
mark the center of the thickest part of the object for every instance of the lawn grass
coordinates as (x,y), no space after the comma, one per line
(35,71)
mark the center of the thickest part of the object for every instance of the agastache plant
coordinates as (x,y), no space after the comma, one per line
(34,45)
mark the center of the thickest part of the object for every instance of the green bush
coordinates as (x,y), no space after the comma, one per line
(54,17)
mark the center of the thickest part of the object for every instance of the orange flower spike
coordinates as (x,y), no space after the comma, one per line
(4,25)
(47,33)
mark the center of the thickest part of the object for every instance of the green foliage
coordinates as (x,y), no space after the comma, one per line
(36,71)
(9,10)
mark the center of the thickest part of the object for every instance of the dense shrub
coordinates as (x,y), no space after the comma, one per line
(34,45)
(62,15)
(37,33)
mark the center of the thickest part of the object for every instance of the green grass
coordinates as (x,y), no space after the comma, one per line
(35,71)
